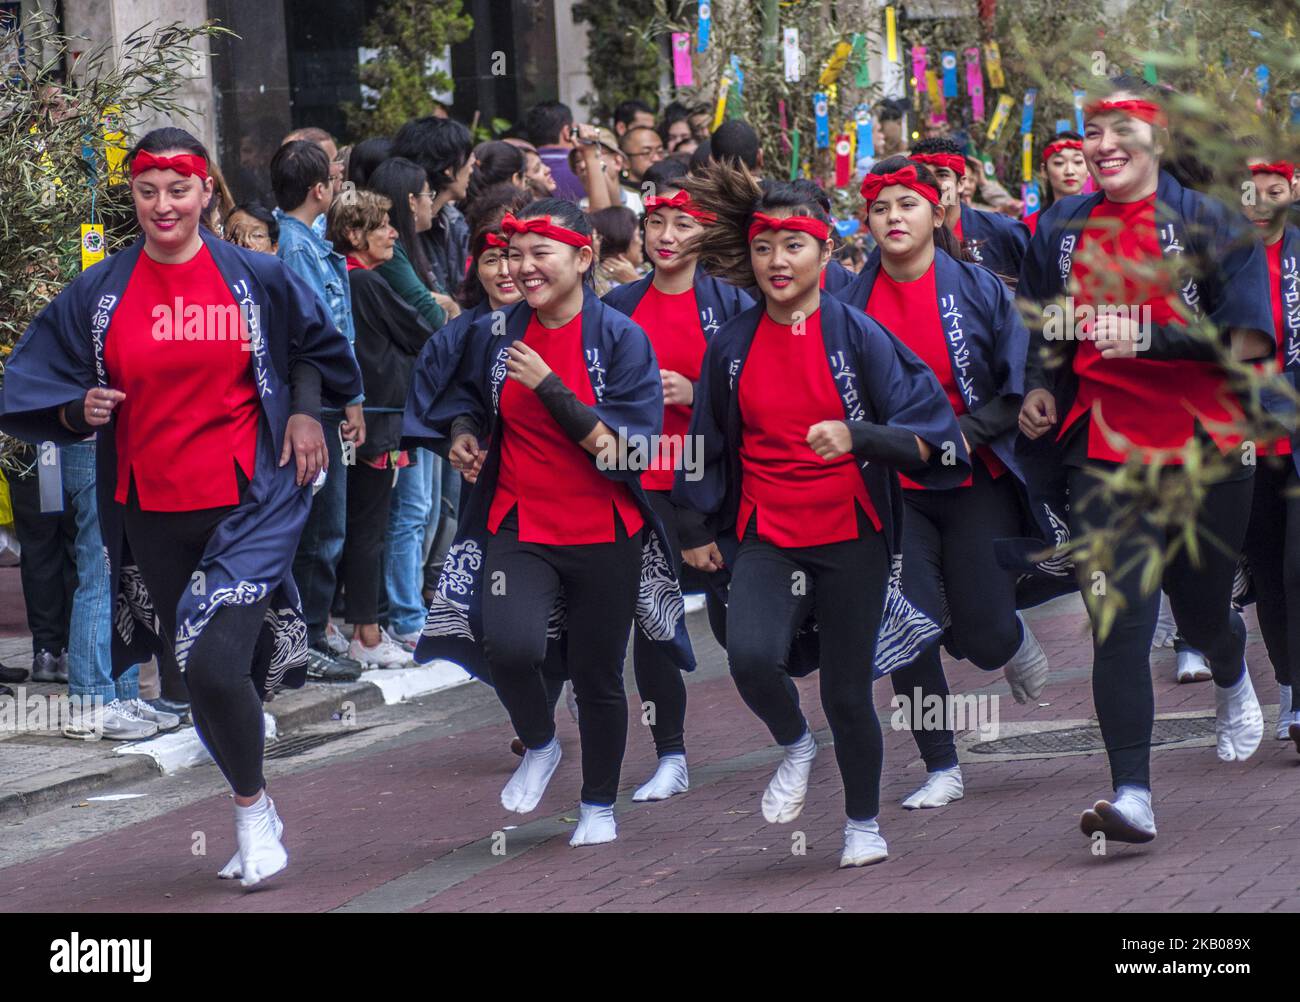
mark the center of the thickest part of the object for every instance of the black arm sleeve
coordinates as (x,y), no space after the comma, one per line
(1170,342)
(74,412)
(693,529)
(463,425)
(575,418)
(304,389)
(990,421)
(881,443)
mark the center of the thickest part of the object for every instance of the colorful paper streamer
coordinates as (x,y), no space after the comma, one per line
(1079,97)
(705,23)
(821,114)
(862,57)
(1027,157)
(790,48)
(975,83)
(993,65)
(683,74)
(1027,114)
(835,65)
(1000,115)
(949,63)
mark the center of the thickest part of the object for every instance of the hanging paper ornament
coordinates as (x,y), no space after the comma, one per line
(1149,73)
(705,23)
(891,35)
(975,83)
(835,65)
(720,111)
(1029,195)
(1079,96)
(866,132)
(1000,115)
(862,59)
(821,113)
(949,64)
(794,154)
(1027,115)
(843,160)
(1027,157)
(1062,125)
(847,227)
(92,244)
(1294,101)
(937,106)
(1261,80)
(738,75)
(993,65)
(683,75)
(919,62)
(790,47)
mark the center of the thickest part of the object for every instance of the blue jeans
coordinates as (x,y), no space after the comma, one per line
(414,498)
(90,658)
(320,548)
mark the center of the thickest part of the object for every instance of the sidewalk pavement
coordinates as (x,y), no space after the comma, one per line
(416,824)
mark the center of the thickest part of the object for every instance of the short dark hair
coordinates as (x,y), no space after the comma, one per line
(296,168)
(563,213)
(939,144)
(544,122)
(735,140)
(702,155)
(366,156)
(497,162)
(665,174)
(617,227)
(437,145)
(627,111)
(889,112)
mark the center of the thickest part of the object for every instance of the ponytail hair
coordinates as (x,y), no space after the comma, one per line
(733,196)
(944,238)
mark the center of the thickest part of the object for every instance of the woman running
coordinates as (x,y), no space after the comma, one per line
(1064,172)
(680,308)
(1273,538)
(961,321)
(551,543)
(1147,388)
(804,408)
(209,441)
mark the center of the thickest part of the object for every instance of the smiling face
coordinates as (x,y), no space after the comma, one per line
(493,268)
(545,270)
(667,232)
(1121,153)
(168,205)
(538,176)
(1066,170)
(902,222)
(787,264)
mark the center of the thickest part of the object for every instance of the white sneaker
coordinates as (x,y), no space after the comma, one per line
(1192,666)
(1284,711)
(670,778)
(385,654)
(863,844)
(940,788)
(113,721)
(1026,672)
(235,868)
(783,799)
(165,721)
(1238,720)
(405,640)
(334,639)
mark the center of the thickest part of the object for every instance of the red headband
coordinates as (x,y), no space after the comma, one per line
(187,164)
(681,201)
(1059,145)
(955,162)
(543,226)
(1145,110)
(906,176)
(1283,167)
(803,224)
(495,240)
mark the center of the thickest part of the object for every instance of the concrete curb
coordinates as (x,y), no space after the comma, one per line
(170,753)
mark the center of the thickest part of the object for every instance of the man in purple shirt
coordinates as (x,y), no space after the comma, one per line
(549,126)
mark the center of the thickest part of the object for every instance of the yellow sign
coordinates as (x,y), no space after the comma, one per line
(1027,157)
(993,65)
(721,110)
(835,65)
(92,244)
(891,35)
(114,144)
(1000,116)
(935,91)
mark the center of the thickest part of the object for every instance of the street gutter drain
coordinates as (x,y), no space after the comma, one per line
(302,743)
(1079,740)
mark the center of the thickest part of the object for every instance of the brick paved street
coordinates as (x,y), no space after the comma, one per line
(408,823)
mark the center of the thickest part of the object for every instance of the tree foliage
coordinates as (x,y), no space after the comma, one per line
(407,35)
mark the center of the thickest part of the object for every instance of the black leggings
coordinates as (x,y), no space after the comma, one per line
(600,583)
(948,553)
(1273,551)
(370,493)
(658,681)
(773,589)
(1200,595)
(224,702)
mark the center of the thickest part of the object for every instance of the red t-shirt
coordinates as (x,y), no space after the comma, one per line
(1282,446)
(910,311)
(1153,404)
(563,499)
(785,388)
(176,348)
(672,322)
